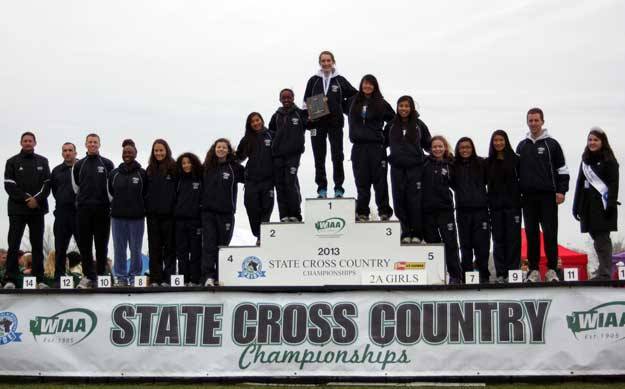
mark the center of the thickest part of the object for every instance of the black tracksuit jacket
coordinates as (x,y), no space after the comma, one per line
(188,197)
(128,186)
(90,181)
(26,175)
(288,128)
(219,188)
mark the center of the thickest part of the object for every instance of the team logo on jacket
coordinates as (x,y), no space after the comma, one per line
(100,169)
(383,163)
(8,328)
(195,185)
(295,121)
(135,180)
(541,150)
(226,175)
(21,168)
(485,225)
(444,171)
(293,170)
(450,226)
(267,142)
(517,219)
(418,185)
(228,226)
(335,88)
(252,268)
(168,177)
(40,168)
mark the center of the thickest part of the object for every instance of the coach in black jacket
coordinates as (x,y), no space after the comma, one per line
(544,180)
(26,180)
(90,182)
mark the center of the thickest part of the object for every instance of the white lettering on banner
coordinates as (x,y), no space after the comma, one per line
(372,333)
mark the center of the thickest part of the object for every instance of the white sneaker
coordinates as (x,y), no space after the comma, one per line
(293,219)
(500,280)
(551,276)
(164,284)
(415,240)
(533,276)
(209,282)
(362,218)
(285,219)
(405,239)
(42,285)
(155,285)
(9,285)
(85,283)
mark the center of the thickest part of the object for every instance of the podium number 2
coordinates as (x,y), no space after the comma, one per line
(272,233)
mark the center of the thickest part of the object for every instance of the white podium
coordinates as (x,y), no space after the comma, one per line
(331,248)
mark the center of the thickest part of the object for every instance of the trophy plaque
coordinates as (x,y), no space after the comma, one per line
(317,106)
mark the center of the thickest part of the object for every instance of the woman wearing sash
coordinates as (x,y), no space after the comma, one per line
(335,90)
(596,195)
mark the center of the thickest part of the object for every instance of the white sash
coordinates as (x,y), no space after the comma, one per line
(596,183)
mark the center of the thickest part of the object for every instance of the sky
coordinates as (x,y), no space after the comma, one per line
(191,71)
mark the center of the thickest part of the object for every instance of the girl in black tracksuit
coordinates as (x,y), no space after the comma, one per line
(469,185)
(288,126)
(439,224)
(336,90)
(407,137)
(187,215)
(504,201)
(367,115)
(596,197)
(219,203)
(160,202)
(258,197)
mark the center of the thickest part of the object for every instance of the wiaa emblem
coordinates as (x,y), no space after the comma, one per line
(252,268)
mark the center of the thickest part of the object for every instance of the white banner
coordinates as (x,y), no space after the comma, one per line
(378,333)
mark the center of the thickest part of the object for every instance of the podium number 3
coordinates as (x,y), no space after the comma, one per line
(389,231)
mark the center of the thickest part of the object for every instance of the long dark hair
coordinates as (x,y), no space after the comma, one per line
(167,166)
(473,158)
(495,170)
(211,161)
(375,100)
(412,130)
(605,153)
(508,152)
(247,146)
(196,165)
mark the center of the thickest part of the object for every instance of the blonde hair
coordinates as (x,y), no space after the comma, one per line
(49,264)
(448,154)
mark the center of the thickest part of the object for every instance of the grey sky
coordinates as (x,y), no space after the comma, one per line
(190,71)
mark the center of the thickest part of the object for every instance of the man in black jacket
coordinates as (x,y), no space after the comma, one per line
(544,180)
(65,209)
(90,182)
(27,181)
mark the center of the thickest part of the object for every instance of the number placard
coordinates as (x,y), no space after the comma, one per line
(30,283)
(67,282)
(104,281)
(177,280)
(621,273)
(141,281)
(515,276)
(571,274)
(472,277)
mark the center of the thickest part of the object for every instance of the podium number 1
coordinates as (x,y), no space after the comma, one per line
(621,273)
(330,205)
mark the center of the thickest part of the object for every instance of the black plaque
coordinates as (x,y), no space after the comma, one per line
(317,106)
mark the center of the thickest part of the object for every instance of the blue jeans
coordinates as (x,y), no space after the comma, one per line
(127,233)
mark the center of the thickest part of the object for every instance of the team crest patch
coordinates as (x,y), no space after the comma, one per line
(8,328)
(228,226)
(252,268)
(226,175)
(271,194)
(450,226)
(444,171)
(21,168)
(517,219)
(485,225)
(335,88)
(418,185)
(267,142)
(293,170)
(383,164)
(195,185)
(295,121)
(135,180)
(541,150)
(100,169)
(40,168)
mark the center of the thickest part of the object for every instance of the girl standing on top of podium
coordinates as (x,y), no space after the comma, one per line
(407,137)
(219,203)
(259,194)
(596,197)
(336,90)
(368,113)
(188,221)
(439,224)
(288,125)
(469,184)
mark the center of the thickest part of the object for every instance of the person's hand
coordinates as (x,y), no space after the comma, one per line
(32,203)
(559,198)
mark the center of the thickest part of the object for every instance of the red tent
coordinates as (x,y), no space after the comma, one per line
(569,258)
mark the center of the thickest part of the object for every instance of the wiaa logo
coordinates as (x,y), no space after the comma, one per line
(331,226)
(252,268)
(70,327)
(605,322)
(8,328)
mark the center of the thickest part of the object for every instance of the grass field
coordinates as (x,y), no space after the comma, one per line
(567,385)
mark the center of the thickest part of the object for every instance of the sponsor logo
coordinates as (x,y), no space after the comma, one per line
(252,268)
(8,328)
(335,88)
(295,121)
(267,142)
(331,226)
(40,168)
(541,150)
(70,327)
(135,180)
(403,265)
(100,169)
(605,322)
(226,175)
(195,185)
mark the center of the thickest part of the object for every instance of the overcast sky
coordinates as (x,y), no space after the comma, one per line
(191,71)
